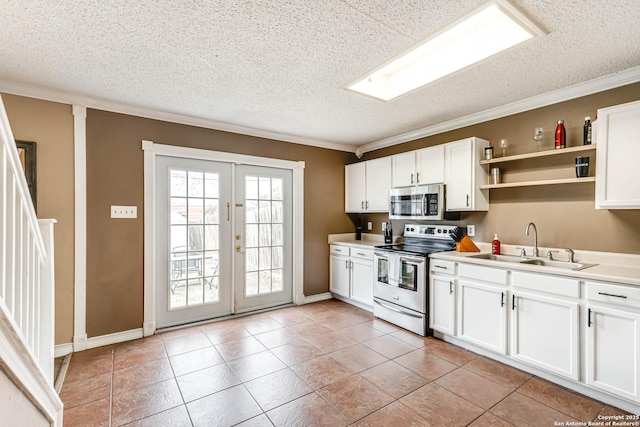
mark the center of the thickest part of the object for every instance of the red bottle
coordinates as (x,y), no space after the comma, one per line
(561,135)
(495,245)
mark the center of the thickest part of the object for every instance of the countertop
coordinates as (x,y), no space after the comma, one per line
(610,266)
(618,268)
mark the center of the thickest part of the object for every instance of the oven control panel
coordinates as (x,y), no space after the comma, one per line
(429,231)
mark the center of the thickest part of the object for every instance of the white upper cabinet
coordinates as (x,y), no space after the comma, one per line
(617,154)
(464,175)
(419,167)
(367,186)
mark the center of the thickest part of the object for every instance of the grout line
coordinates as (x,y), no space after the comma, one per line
(113,362)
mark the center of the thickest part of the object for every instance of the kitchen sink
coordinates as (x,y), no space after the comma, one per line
(558,264)
(505,258)
(534,261)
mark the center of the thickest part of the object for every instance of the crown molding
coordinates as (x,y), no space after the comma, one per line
(32,91)
(612,81)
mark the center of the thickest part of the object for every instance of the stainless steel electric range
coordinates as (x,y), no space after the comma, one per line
(400,292)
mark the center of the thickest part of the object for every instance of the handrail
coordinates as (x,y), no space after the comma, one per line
(27,293)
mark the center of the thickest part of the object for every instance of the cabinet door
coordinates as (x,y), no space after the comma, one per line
(339,272)
(618,150)
(378,183)
(354,187)
(482,315)
(544,333)
(404,168)
(459,160)
(362,281)
(430,165)
(613,341)
(442,297)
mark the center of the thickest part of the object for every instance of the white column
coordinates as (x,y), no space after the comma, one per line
(80,275)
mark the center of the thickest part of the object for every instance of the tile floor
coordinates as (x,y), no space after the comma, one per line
(327,363)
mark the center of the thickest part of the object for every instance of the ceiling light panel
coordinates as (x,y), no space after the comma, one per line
(490,29)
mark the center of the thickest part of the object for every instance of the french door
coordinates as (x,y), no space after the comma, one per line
(193,231)
(263,237)
(223,239)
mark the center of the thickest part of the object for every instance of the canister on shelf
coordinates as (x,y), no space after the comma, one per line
(488,152)
(495,176)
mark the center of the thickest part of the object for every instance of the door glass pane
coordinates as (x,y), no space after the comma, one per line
(193,248)
(264,218)
(408,276)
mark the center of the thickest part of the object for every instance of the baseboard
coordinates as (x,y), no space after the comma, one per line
(317,297)
(114,338)
(63,349)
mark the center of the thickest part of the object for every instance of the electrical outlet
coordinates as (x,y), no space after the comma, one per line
(124,211)
(471,230)
(384,226)
(369,225)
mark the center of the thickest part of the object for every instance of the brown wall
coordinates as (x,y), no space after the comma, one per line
(50,125)
(564,214)
(115,177)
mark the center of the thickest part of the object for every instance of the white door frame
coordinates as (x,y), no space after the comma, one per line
(151,151)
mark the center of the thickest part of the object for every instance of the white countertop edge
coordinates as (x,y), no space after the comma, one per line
(369,240)
(618,273)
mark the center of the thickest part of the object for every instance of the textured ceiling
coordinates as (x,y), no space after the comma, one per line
(280,66)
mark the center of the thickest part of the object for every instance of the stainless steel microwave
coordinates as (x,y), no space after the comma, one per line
(425,202)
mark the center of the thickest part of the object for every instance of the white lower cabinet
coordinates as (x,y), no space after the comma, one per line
(442,297)
(613,339)
(544,333)
(544,323)
(351,274)
(482,307)
(362,279)
(339,273)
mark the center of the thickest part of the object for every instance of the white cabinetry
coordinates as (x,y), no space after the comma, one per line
(339,270)
(544,326)
(613,339)
(464,175)
(442,297)
(421,167)
(367,186)
(351,274)
(618,150)
(482,307)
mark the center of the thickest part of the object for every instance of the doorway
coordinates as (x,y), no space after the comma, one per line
(224,234)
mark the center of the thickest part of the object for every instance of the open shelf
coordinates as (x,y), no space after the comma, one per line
(541,182)
(537,154)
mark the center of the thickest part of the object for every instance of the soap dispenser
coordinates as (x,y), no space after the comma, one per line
(495,245)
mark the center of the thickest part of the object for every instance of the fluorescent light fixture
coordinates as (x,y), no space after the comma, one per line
(490,29)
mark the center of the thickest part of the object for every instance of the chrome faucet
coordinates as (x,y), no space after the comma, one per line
(536,253)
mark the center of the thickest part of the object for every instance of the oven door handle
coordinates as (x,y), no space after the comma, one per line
(397,310)
(412,260)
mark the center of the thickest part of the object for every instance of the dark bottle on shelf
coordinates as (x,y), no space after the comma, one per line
(561,135)
(586,134)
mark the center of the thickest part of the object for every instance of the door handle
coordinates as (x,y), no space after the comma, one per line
(412,178)
(589,318)
(238,248)
(467,200)
(228,211)
(362,205)
(417,177)
(502,299)
(513,302)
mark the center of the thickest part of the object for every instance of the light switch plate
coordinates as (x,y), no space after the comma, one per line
(124,211)
(369,225)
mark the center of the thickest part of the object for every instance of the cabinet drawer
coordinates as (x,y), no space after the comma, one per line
(551,284)
(339,250)
(361,253)
(614,294)
(487,274)
(439,266)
